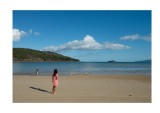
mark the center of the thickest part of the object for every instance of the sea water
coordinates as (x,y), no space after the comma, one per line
(75,68)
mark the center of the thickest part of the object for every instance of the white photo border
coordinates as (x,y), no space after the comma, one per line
(6,10)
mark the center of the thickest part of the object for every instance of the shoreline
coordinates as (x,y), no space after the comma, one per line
(83,88)
(87,74)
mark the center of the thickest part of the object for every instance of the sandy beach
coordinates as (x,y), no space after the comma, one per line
(83,88)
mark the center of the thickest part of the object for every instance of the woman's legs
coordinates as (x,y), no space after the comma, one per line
(53,89)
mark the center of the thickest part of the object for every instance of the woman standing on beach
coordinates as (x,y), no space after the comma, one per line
(54,81)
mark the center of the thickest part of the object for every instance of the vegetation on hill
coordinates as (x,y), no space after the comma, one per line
(24,54)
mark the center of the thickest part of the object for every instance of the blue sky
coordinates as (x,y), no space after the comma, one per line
(86,35)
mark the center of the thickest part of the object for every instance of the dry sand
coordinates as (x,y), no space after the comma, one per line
(82,88)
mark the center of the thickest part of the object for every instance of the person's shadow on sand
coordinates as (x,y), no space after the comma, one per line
(39,89)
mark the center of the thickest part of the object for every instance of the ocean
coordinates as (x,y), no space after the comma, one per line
(86,68)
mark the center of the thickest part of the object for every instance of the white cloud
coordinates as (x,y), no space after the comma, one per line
(108,45)
(130,37)
(88,43)
(18,34)
(136,37)
(147,38)
(36,33)
(30,31)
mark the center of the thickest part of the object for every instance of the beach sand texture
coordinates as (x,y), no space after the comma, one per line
(82,88)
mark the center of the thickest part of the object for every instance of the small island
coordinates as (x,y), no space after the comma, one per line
(141,61)
(111,61)
(30,55)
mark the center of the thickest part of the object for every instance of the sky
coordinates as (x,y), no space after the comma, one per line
(87,35)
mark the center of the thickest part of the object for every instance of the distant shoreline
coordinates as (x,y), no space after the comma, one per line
(87,74)
(83,61)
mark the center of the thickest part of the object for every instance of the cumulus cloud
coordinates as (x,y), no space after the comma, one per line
(18,34)
(136,37)
(88,43)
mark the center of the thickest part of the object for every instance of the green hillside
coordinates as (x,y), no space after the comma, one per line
(24,54)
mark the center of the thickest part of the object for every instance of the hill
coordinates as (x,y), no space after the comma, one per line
(24,54)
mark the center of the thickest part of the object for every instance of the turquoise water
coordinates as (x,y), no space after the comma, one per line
(73,68)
